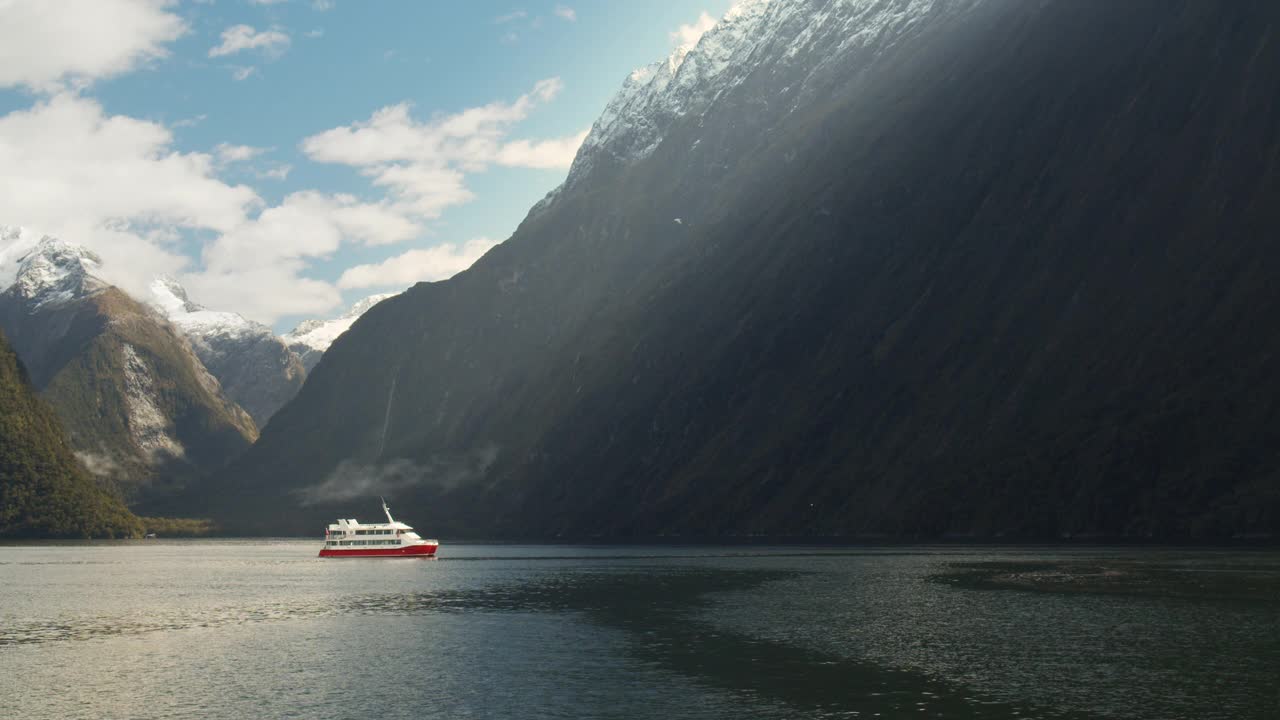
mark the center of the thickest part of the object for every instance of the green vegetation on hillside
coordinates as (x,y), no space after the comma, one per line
(96,360)
(43,490)
(178,527)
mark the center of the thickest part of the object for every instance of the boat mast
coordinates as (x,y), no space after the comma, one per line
(387,510)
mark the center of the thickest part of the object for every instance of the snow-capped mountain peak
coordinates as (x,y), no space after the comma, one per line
(170,298)
(168,295)
(804,41)
(635,120)
(311,338)
(55,272)
(254,366)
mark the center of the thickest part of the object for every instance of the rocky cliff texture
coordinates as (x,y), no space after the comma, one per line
(853,267)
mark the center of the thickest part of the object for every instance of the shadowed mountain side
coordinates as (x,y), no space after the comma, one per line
(1009,276)
(43,490)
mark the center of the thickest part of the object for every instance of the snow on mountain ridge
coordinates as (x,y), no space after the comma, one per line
(633,123)
(55,272)
(255,367)
(169,297)
(320,334)
(311,338)
(815,36)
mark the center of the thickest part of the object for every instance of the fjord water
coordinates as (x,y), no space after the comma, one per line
(234,629)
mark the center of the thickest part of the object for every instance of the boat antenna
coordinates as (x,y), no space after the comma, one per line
(386,509)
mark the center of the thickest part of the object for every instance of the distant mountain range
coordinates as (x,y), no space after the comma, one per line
(312,338)
(255,368)
(140,408)
(974,268)
(154,395)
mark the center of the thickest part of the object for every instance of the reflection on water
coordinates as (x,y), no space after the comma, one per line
(227,629)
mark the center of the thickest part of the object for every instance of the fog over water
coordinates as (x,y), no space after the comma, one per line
(223,629)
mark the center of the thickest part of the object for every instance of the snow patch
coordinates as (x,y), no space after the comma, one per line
(318,335)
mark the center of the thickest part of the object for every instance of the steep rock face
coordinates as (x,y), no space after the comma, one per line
(894,267)
(769,59)
(256,369)
(140,409)
(313,337)
(43,490)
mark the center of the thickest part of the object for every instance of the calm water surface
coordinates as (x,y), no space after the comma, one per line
(234,629)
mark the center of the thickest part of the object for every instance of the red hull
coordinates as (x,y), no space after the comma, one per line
(408,551)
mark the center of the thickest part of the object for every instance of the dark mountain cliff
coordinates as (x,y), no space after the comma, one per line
(1003,269)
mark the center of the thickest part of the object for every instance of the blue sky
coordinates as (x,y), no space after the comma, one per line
(261,150)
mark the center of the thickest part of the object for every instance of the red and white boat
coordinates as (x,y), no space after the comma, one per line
(351,538)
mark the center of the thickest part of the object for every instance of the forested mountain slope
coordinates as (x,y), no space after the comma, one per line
(43,490)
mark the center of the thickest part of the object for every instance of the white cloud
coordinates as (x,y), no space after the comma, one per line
(306,224)
(266,2)
(243,72)
(556,154)
(426,264)
(256,267)
(322,5)
(191,121)
(566,12)
(511,16)
(547,90)
(66,157)
(264,293)
(239,38)
(277,172)
(316,33)
(116,185)
(227,153)
(423,165)
(111,182)
(297,228)
(371,223)
(423,190)
(687,36)
(46,45)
